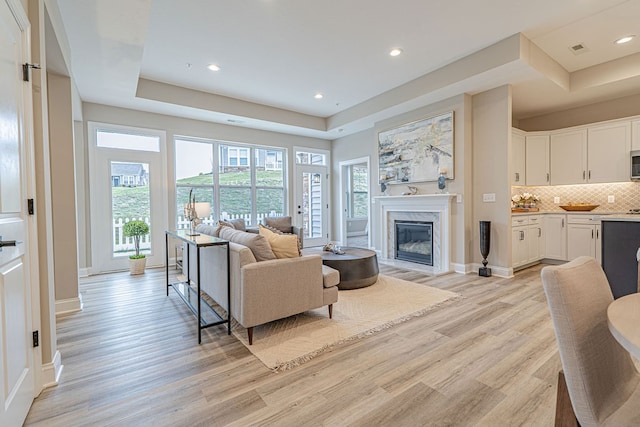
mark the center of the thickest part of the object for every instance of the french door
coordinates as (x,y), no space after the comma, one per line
(127,179)
(311,203)
(16,349)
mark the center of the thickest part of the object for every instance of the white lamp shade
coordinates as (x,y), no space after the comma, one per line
(203,209)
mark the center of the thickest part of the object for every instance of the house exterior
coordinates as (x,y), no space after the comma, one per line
(128,175)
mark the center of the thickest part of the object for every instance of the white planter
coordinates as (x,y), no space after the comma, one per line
(137,266)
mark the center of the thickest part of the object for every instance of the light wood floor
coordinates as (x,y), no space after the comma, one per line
(131,358)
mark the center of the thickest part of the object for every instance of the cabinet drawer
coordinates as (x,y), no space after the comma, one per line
(535,220)
(582,219)
(519,220)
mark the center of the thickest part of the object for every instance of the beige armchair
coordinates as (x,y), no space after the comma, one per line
(601,379)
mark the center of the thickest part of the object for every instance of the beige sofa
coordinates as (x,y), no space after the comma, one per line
(263,291)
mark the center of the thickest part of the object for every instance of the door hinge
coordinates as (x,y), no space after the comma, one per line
(25,70)
(30,206)
(36,338)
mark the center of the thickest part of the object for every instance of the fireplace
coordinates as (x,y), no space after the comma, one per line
(414,241)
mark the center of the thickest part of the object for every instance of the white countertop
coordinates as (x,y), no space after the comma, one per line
(622,217)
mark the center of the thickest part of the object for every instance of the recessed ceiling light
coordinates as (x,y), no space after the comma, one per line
(213,67)
(318,96)
(395,51)
(625,39)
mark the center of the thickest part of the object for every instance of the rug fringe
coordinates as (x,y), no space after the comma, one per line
(285,366)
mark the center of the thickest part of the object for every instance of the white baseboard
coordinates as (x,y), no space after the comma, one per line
(51,371)
(70,305)
(461,268)
(83,272)
(495,271)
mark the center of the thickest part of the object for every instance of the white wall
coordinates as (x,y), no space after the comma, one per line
(491,154)
(177,126)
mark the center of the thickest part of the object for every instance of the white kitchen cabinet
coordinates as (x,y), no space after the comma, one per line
(608,147)
(537,160)
(518,152)
(527,240)
(635,135)
(555,237)
(583,237)
(569,157)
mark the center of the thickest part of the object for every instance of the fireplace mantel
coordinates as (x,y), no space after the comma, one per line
(411,207)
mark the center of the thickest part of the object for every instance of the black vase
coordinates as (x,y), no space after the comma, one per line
(485,245)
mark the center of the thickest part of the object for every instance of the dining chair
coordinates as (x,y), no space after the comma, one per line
(601,379)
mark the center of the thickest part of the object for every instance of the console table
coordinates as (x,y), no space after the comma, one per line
(207,316)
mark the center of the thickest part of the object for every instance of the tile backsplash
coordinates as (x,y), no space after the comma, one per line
(626,195)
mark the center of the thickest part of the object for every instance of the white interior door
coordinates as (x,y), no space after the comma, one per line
(311,206)
(16,352)
(126,184)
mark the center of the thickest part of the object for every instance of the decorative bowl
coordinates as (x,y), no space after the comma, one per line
(579,207)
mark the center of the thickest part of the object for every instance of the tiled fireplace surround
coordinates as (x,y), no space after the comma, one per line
(429,207)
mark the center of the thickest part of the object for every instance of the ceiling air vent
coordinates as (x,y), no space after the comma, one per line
(578,49)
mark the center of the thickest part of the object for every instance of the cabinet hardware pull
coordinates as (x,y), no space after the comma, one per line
(522,235)
(563,223)
(592,234)
(539,232)
(583,175)
(547,176)
(589,174)
(517,176)
(597,234)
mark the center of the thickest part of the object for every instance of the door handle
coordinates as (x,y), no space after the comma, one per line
(7,243)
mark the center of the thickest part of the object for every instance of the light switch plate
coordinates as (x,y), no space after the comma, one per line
(611,199)
(489,197)
(556,200)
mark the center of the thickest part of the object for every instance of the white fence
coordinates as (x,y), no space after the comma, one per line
(126,244)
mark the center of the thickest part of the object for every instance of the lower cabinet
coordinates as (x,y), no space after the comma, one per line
(556,237)
(527,240)
(583,238)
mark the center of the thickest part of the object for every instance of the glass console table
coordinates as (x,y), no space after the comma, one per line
(189,292)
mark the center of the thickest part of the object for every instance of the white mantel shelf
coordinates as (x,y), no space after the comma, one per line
(436,205)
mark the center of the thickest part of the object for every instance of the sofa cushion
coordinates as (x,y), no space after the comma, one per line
(211,230)
(257,243)
(282,245)
(282,223)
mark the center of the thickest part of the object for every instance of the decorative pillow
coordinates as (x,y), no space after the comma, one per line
(257,243)
(238,224)
(275,230)
(224,223)
(282,245)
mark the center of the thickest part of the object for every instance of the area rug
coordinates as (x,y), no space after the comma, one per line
(286,343)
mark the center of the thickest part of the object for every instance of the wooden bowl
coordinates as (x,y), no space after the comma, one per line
(579,208)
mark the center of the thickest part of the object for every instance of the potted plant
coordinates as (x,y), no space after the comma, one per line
(136,229)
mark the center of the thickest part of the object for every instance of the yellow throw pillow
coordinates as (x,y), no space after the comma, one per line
(282,245)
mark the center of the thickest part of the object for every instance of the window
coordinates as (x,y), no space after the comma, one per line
(194,175)
(304,158)
(248,183)
(127,141)
(357,206)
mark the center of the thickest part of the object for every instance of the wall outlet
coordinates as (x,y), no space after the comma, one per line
(458,198)
(556,200)
(489,197)
(611,199)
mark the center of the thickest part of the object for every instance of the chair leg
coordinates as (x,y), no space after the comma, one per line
(250,334)
(330,311)
(565,417)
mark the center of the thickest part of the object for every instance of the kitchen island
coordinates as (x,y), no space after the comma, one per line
(620,244)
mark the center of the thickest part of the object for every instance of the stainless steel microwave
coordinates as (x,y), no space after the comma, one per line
(635,164)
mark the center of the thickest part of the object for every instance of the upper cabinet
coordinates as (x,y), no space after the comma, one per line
(537,160)
(595,154)
(517,158)
(608,152)
(569,157)
(635,135)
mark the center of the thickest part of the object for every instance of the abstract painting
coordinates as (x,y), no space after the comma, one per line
(417,151)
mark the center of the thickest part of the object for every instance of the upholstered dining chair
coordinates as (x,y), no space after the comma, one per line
(601,379)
